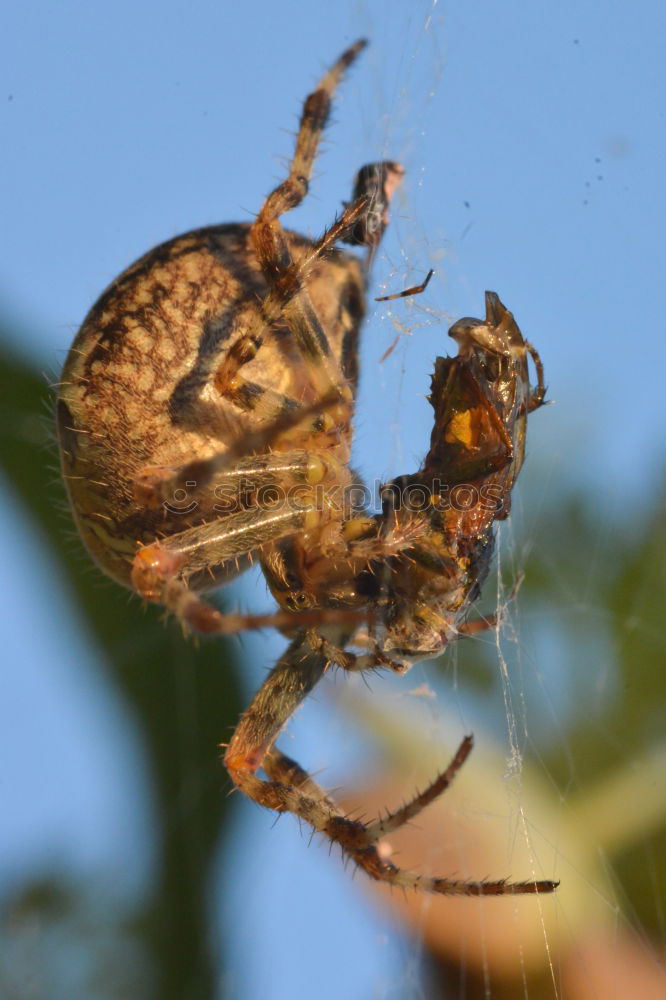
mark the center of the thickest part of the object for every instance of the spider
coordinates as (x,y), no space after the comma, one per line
(205,419)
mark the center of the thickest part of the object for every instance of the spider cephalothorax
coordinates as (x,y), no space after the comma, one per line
(205,418)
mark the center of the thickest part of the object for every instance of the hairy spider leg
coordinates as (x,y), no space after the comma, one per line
(283,769)
(329,392)
(289,772)
(291,789)
(266,233)
(162,568)
(287,300)
(257,320)
(155,485)
(286,278)
(270,243)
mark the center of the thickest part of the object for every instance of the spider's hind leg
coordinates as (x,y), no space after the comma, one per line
(289,772)
(291,789)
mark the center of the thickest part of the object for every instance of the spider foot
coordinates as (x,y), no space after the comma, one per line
(355,836)
(293,790)
(361,842)
(383,870)
(394,820)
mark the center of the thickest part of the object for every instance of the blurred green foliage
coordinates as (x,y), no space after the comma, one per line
(146,661)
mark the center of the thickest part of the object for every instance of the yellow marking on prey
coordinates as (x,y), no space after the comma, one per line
(460,428)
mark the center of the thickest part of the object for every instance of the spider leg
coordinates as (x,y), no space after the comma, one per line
(236,468)
(287,300)
(290,681)
(362,222)
(209,621)
(263,499)
(291,789)
(286,279)
(160,569)
(283,769)
(269,240)
(394,820)
(287,297)
(290,192)
(157,576)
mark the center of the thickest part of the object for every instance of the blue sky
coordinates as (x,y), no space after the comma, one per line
(533,138)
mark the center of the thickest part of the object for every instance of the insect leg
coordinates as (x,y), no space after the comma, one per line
(538,396)
(413,290)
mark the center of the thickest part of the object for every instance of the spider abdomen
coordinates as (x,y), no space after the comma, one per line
(138,392)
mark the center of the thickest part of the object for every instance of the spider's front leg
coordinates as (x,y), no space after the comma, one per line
(362,223)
